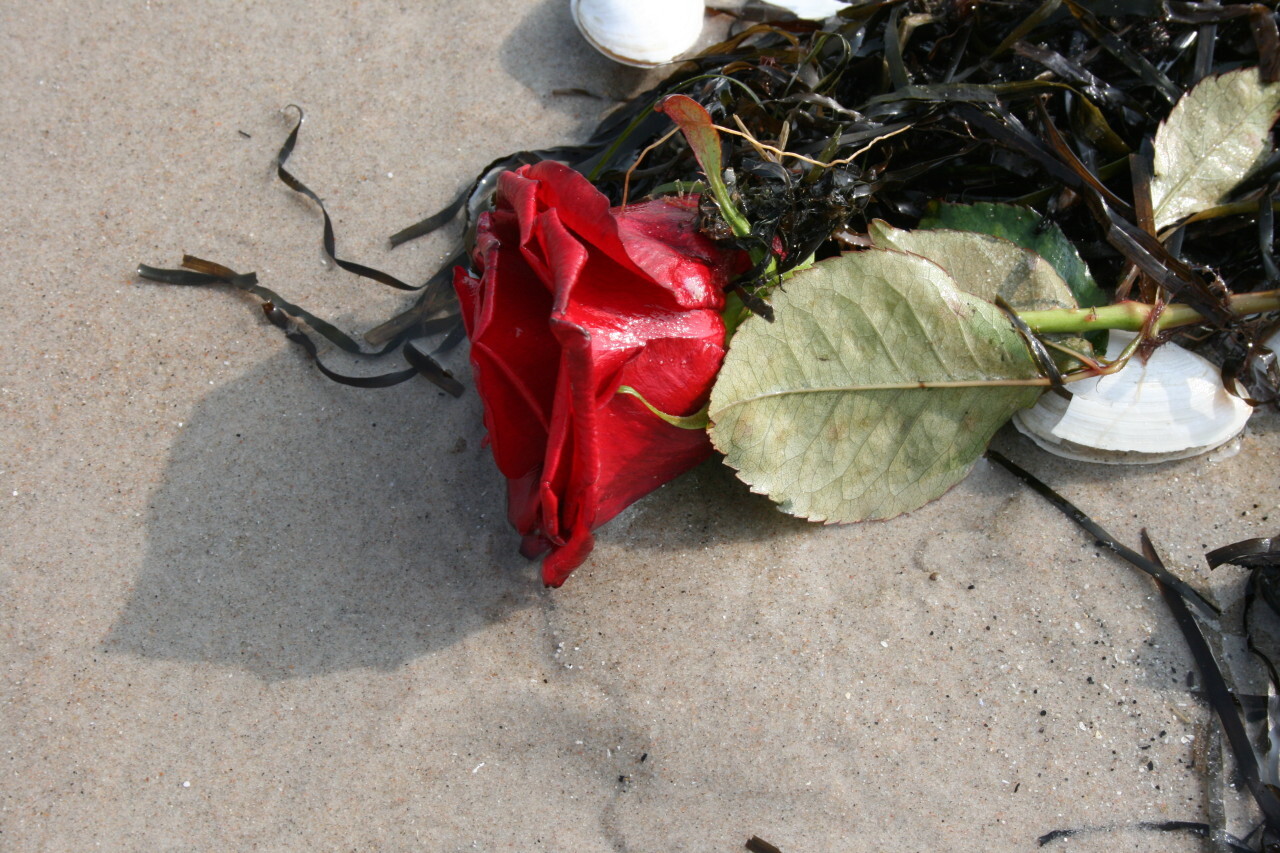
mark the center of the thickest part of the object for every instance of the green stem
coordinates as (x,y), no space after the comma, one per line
(720,192)
(698,420)
(1132,316)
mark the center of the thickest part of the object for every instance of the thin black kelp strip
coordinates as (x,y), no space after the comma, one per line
(432,370)
(1153,258)
(1090,125)
(962,34)
(903,176)
(849,138)
(1220,698)
(421,364)
(438,297)
(1035,19)
(820,100)
(1267,232)
(429,317)
(1262,23)
(1249,553)
(1267,37)
(965,93)
(1205,13)
(1105,539)
(1251,364)
(807,71)
(1048,367)
(198,272)
(285,316)
(893,42)
(329,241)
(1068,156)
(1262,584)
(434,222)
(1206,45)
(1193,827)
(475,198)
(1074,73)
(1114,45)
(1177,595)
(1004,128)
(1262,558)
(1141,170)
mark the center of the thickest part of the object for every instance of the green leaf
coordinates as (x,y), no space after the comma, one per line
(1215,135)
(983,266)
(872,392)
(1026,228)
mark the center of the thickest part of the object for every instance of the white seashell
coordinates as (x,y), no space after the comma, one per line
(640,32)
(1172,407)
(815,10)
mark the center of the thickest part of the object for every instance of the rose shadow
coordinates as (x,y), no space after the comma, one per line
(710,506)
(705,507)
(303,528)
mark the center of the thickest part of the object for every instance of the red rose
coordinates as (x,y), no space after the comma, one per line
(570,301)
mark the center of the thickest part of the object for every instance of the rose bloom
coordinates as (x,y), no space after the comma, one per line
(569,301)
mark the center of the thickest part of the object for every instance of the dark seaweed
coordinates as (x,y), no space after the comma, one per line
(1262,558)
(294,321)
(896,105)
(907,103)
(434,314)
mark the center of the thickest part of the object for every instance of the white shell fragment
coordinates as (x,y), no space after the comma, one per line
(1172,407)
(812,9)
(640,32)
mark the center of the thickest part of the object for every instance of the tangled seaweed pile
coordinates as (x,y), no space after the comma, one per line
(1052,106)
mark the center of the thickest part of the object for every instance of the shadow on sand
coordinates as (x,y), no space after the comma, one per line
(304,527)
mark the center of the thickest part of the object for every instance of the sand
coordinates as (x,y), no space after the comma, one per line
(246,608)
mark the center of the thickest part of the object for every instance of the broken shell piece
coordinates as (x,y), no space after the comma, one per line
(811,9)
(639,33)
(1172,407)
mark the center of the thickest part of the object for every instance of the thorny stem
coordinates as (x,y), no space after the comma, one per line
(1132,316)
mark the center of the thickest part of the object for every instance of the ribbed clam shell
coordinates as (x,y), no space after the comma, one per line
(1172,407)
(811,9)
(640,32)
